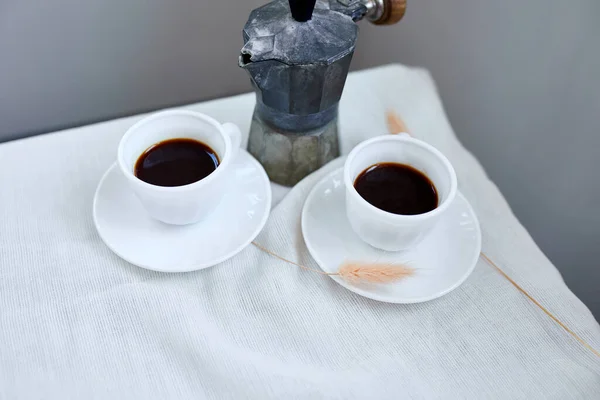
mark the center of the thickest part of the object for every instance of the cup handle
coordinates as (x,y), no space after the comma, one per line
(235,135)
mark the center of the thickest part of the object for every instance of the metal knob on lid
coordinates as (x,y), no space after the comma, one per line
(302,10)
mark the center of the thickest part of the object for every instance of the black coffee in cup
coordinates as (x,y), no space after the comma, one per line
(397,188)
(176,162)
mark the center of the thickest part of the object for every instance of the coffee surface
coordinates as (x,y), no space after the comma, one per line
(397,188)
(176,162)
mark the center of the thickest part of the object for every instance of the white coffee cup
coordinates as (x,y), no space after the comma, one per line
(180,205)
(382,229)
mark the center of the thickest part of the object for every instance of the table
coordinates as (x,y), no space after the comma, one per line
(78,322)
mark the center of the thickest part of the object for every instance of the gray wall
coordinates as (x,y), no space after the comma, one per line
(519,80)
(69,62)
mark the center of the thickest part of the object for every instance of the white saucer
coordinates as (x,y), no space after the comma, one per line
(443,260)
(127,230)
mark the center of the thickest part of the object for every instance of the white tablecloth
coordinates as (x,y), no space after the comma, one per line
(77,322)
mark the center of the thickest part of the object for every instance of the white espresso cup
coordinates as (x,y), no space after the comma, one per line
(180,205)
(382,229)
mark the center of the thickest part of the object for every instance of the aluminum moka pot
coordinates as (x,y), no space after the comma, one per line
(298,55)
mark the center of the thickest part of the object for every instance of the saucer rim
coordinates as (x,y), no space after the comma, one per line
(370,295)
(200,266)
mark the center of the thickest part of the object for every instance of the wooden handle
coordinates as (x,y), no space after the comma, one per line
(393,11)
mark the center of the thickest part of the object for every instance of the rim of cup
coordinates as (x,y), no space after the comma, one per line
(168,113)
(349,182)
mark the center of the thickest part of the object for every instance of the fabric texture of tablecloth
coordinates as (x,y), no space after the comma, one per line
(77,322)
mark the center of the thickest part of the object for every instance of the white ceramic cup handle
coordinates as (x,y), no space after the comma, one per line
(235,135)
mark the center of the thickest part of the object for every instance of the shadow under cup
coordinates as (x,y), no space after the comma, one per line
(179,205)
(382,229)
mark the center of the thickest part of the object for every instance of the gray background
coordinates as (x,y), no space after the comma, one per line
(519,81)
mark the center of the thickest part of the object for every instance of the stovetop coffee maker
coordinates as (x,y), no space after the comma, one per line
(298,53)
